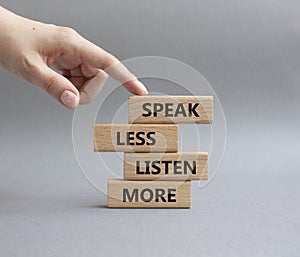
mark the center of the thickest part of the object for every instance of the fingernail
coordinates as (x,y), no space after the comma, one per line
(69,99)
(142,87)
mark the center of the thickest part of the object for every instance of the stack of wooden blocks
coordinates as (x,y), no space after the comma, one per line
(156,175)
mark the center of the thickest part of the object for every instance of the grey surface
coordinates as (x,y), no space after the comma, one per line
(249,51)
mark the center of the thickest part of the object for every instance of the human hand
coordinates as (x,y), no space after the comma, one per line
(29,49)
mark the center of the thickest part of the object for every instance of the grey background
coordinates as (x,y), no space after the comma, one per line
(248,50)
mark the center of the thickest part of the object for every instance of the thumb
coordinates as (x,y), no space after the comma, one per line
(56,85)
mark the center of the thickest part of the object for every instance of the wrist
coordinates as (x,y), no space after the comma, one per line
(7,27)
(12,28)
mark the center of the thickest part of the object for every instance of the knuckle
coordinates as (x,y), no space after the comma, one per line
(52,26)
(68,37)
(110,60)
(50,84)
(66,30)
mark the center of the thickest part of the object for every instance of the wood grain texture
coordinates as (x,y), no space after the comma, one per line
(148,194)
(170,109)
(166,166)
(143,138)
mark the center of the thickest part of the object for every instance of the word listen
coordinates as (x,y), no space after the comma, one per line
(170,109)
(166,166)
(157,166)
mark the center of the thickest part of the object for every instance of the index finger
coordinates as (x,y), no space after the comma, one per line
(99,58)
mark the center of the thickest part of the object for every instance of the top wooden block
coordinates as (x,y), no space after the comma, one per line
(170,109)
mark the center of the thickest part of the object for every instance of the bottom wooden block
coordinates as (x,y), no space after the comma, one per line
(148,194)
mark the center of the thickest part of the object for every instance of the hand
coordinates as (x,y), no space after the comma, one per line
(30,48)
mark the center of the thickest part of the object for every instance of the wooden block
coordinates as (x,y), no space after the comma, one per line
(148,194)
(135,138)
(170,109)
(166,166)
